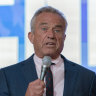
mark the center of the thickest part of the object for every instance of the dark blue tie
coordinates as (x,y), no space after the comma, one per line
(49,82)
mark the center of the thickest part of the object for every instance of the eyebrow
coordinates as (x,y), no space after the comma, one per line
(60,26)
(43,24)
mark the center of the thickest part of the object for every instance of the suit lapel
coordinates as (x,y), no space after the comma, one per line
(70,78)
(29,70)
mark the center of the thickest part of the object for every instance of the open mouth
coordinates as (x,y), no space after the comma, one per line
(50,43)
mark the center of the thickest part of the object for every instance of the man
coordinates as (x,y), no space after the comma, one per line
(48,27)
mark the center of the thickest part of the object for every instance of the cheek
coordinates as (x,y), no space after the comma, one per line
(39,40)
(60,41)
(61,45)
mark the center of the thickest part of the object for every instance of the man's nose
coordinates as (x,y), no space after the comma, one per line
(50,34)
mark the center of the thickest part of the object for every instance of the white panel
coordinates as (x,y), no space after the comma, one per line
(92,32)
(6,2)
(72,43)
(8,51)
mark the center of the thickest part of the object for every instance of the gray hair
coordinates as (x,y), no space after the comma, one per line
(46,9)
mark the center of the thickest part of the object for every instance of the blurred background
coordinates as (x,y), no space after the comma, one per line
(80,43)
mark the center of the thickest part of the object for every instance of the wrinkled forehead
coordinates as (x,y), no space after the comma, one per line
(46,18)
(51,17)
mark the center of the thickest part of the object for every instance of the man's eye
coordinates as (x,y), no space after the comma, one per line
(57,31)
(44,29)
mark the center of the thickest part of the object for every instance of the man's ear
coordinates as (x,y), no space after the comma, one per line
(31,37)
(64,36)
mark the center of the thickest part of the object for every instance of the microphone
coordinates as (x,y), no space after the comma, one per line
(46,64)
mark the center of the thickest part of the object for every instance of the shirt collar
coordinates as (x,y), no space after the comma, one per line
(38,60)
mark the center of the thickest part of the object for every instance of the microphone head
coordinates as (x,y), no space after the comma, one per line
(46,61)
(46,64)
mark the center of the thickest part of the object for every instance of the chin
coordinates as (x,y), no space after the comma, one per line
(50,54)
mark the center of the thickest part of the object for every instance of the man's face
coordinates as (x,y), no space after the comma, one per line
(48,38)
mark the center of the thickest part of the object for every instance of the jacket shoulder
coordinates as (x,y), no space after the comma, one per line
(77,67)
(17,66)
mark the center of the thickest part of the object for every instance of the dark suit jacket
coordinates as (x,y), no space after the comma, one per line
(14,79)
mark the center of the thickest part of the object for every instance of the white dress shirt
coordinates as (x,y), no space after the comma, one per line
(58,74)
